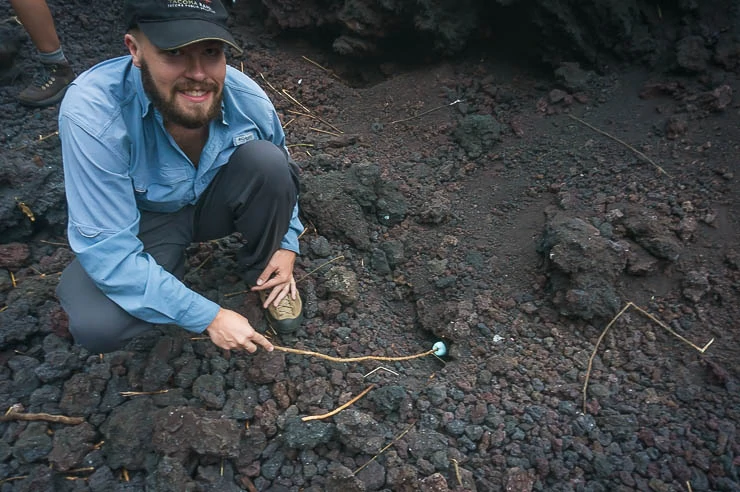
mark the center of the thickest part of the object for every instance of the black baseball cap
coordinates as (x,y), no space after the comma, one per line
(172,24)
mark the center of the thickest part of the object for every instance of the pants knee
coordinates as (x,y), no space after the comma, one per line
(101,335)
(267,160)
(95,322)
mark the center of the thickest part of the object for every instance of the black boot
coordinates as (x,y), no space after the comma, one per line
(50,88)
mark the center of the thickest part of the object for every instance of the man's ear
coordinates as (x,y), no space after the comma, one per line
(134,48)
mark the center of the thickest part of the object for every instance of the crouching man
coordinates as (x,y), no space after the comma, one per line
(161,148)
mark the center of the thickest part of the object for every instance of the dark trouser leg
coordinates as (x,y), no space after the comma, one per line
(96,322)
(254,195)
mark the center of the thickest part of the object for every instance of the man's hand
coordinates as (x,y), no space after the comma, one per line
(231,330)
(278,276)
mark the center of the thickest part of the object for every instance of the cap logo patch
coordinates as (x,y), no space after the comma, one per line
(203,5)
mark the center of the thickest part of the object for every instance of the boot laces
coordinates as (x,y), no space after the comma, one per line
(284,309)
(46,75)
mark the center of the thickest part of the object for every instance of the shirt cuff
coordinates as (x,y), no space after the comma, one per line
(199,315)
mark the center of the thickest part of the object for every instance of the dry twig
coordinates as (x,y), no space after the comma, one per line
(339,408)
(427,112)
(247,291)
(330,72)
(10,479)
(457,472)
(208,258)
(59,419)
(379,368)
(309,115)
(603,334)
(619,141)
(333,134)
(340,257)
(395,440)
(53,243)
(352,359)
(41,139)
(295,101)
(143,393)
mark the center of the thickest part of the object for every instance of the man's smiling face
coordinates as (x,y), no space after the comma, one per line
(184,84)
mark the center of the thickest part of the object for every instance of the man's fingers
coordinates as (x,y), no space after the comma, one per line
(259,339)
(270,298)
(273,282)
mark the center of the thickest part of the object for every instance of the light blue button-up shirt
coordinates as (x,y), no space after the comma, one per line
(119,159)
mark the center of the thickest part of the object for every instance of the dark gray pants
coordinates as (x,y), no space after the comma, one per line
(253,194)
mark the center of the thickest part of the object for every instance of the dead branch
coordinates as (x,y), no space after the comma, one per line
(340,257)
(40,139)
(247,291)
(619,141)
(143,393)
(53,243)
(603,334)
(309,115)
(379,368)
(395,440)
(203,263)
(330,72)
(10,479)
(352,359)
(59,419)
(457,472)
(427,112)
(296,101)
(340,408)
(333,134)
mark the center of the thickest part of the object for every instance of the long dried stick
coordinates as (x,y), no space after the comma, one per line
(333,134)
(144,393)
(340,257)
(340,408)
(671,331)
(299,113)
(650,316)
(457,472)
(593,354)
(411,426)
(620,141)
(426,112)
(352,359)
(10,479)
(60,419)
(330,72)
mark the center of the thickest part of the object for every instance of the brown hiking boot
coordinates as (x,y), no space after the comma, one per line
(50,88)
(286,317)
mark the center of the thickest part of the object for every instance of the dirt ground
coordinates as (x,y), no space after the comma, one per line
(513,213)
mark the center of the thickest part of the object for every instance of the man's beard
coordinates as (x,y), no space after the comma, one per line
(166,104)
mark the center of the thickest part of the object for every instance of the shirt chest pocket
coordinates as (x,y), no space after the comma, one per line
(159,178)
(162,185)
